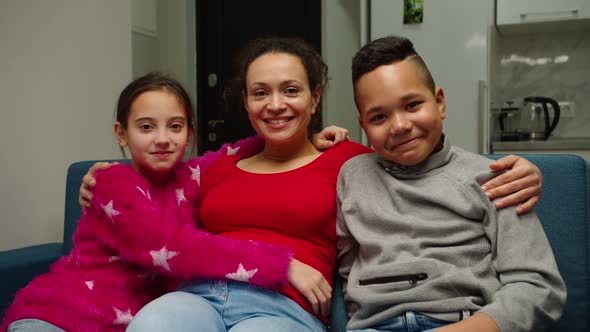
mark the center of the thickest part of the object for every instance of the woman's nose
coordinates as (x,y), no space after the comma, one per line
(276,103)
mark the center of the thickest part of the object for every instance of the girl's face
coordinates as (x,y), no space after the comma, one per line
(278,99)
(157,134)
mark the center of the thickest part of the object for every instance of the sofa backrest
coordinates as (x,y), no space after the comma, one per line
(72,209)
(564,211)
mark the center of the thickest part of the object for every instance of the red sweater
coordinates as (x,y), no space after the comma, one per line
(133,244)
(296,208)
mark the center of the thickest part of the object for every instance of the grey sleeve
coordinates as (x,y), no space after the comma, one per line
(532,293)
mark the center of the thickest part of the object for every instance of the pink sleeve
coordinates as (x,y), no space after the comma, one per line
(132,225)
(245,148)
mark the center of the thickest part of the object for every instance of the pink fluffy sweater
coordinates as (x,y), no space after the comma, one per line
(135,243)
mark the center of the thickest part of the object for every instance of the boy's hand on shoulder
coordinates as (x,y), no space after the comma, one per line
(478,322)
(329,137)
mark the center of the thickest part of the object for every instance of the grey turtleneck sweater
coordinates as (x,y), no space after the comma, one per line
(426,238)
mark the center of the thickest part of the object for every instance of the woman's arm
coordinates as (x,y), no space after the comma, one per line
(522,183)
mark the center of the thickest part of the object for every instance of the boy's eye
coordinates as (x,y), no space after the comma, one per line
(376,118)
(412,105)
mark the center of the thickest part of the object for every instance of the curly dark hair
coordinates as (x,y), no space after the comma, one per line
(315,67)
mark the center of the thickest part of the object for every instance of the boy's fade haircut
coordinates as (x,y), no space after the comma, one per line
(385,51)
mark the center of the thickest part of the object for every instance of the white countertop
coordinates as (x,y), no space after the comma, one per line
(553,143)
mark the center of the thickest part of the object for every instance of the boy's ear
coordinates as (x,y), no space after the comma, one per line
(121,134)
(439,96)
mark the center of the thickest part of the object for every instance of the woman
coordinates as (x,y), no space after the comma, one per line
(283,195)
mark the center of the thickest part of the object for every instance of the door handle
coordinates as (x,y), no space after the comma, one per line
(213,123)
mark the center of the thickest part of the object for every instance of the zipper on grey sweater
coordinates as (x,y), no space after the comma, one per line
(411,278)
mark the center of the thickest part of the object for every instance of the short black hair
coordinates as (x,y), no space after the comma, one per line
(385,51)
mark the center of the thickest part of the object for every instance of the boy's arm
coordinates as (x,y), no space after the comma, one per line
(347,246)
(133,226)
(532,293)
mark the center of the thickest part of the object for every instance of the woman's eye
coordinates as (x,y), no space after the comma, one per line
(291,91)
(259,93)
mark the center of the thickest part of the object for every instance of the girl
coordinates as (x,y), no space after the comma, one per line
(139,235)
(284,194)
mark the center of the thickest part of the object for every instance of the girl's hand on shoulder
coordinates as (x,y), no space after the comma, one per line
(522,183)
(329,137)
(312,284)
(88,182)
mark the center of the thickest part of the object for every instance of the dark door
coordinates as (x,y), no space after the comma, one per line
(223,27)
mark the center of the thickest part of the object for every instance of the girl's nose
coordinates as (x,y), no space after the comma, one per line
(162,138)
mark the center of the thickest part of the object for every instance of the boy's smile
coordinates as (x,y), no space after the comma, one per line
(401,116)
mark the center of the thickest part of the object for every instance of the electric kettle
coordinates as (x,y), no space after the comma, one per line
(535,120)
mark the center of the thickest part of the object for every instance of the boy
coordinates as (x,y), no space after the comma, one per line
(421,246)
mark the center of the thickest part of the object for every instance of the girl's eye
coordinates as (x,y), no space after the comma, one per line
(145,126)
(176,126)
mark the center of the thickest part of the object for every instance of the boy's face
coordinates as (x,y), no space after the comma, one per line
(399,113)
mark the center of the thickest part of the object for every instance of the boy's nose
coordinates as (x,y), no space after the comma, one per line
(400,124)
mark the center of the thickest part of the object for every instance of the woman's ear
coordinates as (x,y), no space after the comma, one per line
(316,95)
(245,100)
(121,134)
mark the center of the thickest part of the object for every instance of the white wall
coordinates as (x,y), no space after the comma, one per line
(62,65)
(340,40)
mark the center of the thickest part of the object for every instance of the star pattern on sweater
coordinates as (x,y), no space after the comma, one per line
(196,174)
(242,274)
(123,317)
(161,257)
(145,193)
(90,284)
(109,210)
(114,259)
(232,151)
(180,196)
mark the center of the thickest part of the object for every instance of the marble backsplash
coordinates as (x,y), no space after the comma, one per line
(555,65)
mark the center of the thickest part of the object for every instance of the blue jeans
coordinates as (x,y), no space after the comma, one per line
(224,306)
(32,325)
(408,322)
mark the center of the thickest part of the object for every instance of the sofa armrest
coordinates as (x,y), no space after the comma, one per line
(19,266)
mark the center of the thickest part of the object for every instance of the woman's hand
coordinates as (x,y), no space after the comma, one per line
(329,137)
(521,184)
(88,182)
(312,284)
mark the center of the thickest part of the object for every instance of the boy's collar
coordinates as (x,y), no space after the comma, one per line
(435,160)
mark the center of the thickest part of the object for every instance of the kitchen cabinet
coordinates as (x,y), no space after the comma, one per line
(522,16)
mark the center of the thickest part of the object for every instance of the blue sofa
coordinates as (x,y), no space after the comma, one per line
(564,211)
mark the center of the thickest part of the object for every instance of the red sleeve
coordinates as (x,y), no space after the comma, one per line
(130,223)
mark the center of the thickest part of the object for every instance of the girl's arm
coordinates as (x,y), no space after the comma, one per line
(134,226)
